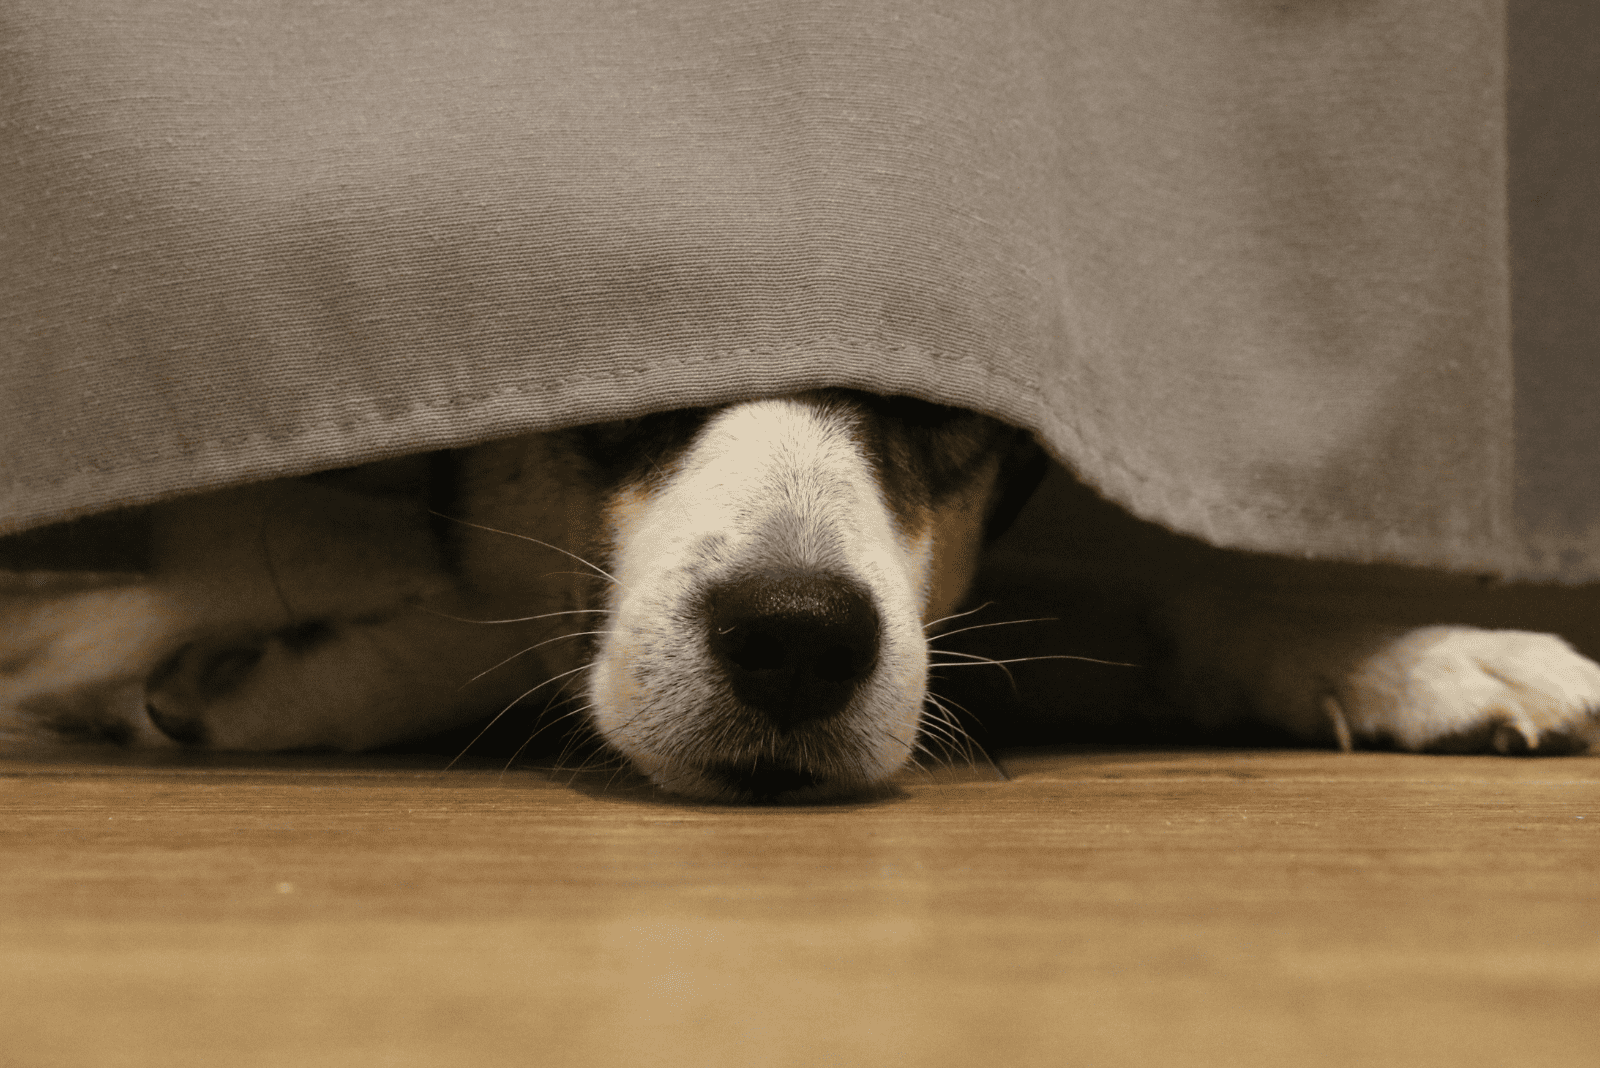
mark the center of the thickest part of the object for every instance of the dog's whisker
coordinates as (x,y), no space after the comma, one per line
(938,718)
(599,761)
(915,754)
(544,725)
(571,713)
(914,748)
(599,756)
(941,752)
(620,769)
(943,726)
(529,649)
(573,697)
(956,615)
(496,718)
(1024,659)
(524,537)
(980,626)
(950,721)
(970,660)
(922,755)
(580,574)
(521,619)
(946,702)
(575,738)
(559,764)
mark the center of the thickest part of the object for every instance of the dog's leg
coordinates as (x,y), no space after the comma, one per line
(72,662)
(1337,677)
(330,619)
(338,683)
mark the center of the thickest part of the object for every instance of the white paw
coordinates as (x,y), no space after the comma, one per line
(1460,689)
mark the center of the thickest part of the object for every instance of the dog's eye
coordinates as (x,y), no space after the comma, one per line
(617,434)
(625,449)
(945,445)
(921,414)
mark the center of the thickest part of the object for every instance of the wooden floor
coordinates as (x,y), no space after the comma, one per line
(1097,908)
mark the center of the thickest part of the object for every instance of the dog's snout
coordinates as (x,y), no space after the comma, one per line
(793,646)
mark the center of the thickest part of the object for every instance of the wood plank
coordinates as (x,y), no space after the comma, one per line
(1097,907)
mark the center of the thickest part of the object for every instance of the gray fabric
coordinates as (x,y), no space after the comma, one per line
(1245,266)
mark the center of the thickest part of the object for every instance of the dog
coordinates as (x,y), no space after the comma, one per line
(735,600)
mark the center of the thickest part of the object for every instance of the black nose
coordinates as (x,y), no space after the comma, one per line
(793,645)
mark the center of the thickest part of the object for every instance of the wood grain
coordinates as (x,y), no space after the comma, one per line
(1096,908)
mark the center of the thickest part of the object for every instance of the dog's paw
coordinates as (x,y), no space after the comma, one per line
(237,689)
(1464,690)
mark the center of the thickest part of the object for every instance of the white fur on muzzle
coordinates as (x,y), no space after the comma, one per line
(765,636)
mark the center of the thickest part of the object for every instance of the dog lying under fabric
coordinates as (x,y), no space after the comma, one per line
(737,600)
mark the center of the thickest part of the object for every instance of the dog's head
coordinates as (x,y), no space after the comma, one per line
(774,565)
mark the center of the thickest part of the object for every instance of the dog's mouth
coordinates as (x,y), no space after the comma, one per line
(764,780)
(775,781)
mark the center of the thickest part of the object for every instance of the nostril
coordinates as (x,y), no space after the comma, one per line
(793,644)
(752,648)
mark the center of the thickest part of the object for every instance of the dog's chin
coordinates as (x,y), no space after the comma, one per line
(760,781)
(706,745)
(736,756)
